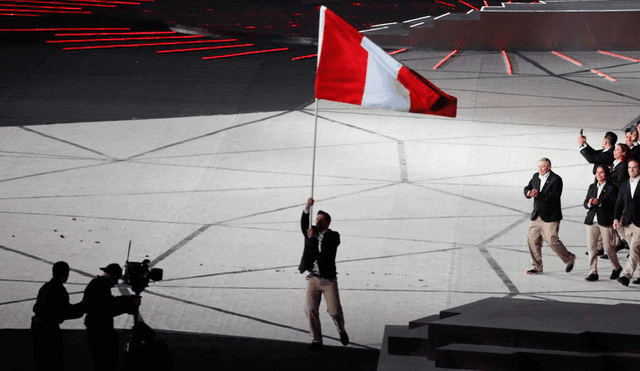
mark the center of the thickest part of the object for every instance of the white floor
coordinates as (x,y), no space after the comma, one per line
(430,209)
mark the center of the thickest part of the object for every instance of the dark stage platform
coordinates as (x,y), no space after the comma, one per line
(514,334)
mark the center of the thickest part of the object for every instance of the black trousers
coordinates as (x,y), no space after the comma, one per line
(47,345)
(103,343)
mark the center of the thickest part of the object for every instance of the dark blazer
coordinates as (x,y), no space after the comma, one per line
(547,204)
(619,173)
(605,210)
(635,153)
(326,255)
(627,209)
(597,157)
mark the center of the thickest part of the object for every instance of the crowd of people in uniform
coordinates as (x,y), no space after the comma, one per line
(612,203)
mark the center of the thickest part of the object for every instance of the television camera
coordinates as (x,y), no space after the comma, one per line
(138,274)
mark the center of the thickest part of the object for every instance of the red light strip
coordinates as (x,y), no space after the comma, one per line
(398,51)
(60,29)
(619,56)
(304,57)
(245,53)
(203,48)
(507,62)
(603,75)
(62,3)
(445,59)
(469,5)
(136,45)
(447,4)
(567,58)
(107,2)
(46,11)
(19,15)
(486,3)
(116,33)
(123,39)
(41,6)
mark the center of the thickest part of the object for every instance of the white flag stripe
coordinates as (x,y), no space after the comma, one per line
(382,88)
(320,34)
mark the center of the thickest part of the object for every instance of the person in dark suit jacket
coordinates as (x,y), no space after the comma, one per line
(600,156)
(631,138)
(619,171)
(319,260)
(600,203)
(619,175)
(627,217)
(545,187)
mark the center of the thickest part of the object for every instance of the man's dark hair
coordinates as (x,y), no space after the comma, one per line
(327,216)
(612,138)
(60,269)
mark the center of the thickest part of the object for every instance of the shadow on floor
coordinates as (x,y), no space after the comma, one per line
(191,351)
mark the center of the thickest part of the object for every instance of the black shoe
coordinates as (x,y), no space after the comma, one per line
(636,281)
(315,346)
(622,245)
(344,338)
(600,252)
(615,273)
(623,280)
(569,268)
(605,256)
(532,271)
(592,277)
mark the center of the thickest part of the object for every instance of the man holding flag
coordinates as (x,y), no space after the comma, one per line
(319,259)
(352,69)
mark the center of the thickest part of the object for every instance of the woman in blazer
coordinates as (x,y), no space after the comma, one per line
(600,203)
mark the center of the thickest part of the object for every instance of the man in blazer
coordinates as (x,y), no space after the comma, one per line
(631,138)
(627,216)
(602,156)
(545,187)
(600,203)
(319,260)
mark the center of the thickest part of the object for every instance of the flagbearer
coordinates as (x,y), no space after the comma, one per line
(319,260)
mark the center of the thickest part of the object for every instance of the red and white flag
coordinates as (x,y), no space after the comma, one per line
(352,69)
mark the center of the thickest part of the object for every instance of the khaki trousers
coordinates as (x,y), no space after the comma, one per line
(540,230)
(605,234)
(316,287)
(632,232)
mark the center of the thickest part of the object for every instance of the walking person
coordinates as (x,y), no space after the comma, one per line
(545,187)
(627,218)
(600,202)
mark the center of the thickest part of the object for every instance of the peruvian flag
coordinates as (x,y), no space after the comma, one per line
(352,69)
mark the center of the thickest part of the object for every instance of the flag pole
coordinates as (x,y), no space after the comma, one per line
(313,167)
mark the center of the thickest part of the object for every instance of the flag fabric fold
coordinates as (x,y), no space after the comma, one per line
(352,69)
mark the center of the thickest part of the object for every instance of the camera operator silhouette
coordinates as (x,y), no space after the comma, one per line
(101,306)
